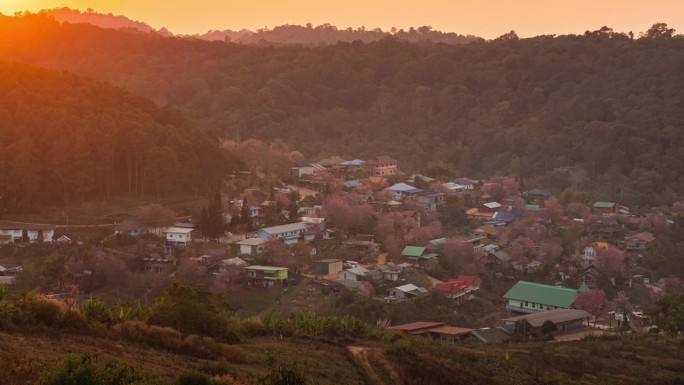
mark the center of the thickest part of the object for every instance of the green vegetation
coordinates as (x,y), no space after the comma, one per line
(66,139)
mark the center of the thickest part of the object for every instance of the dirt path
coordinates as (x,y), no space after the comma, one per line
(378,372)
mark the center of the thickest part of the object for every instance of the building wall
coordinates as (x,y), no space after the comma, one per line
(178,238)
(527,306)
(35,235)
(347,275)
(14,235)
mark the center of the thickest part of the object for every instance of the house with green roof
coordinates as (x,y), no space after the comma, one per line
(418,253)
(530,297)
(604,207)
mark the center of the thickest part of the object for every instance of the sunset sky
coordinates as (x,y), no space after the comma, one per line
(485,18)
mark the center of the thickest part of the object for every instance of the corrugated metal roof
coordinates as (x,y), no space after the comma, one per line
(413,251)
(605,205)
(502,255)
(251,242)
(284,228)
(556,316)
(403,187)
(543,294)
(269,268)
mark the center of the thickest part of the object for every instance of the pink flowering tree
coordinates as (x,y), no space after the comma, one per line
(593,301)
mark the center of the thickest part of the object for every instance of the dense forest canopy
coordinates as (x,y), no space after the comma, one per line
(66,138)
(282,34)
(599,112)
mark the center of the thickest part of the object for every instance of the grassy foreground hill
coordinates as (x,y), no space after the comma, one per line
(28,357)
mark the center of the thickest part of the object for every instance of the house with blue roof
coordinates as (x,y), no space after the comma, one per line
(401,191)
(468,184)
(503,216)
(290,233)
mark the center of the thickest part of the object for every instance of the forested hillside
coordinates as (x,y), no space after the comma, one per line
(598,112)
(66,138)
(68,15)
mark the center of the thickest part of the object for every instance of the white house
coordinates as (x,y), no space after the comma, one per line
(178,235)
(39,233)
(590,252)
(251,246)
(353,274)
(10,234)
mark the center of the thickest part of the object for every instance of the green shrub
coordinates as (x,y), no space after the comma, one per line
(253,327)
(87,370)
(193,378)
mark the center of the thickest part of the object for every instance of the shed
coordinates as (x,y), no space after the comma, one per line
(328,266)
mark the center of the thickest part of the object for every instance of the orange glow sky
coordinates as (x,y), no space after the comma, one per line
(485,18)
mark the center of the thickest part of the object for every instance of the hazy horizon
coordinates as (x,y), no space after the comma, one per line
(485,19)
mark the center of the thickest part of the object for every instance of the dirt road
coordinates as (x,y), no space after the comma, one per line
(374,366)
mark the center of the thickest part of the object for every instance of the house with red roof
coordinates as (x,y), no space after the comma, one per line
(459,289)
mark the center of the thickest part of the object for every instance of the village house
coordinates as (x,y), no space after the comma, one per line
(39,233)
(607,208)
(381,166)
(352,167)
(488,231)
(536,195)
(489,207)
(328,266)
(451,334)
(227,265)
(331,163)
(639,242)
(459,289)
(251,246)
(564,320)
(409,290)
(431,201)
(416,328)
(434,245)
(156,262)
(490,335)
(290,233)
(302,168)
(468,184)
(130,228)
(590,252)
(390,271)
(353,274)
(417,254)
(10,234)
(178,235)
(453,188)
(587,276)
(496,257)
(529,297)
(437,330)
(266,276)
(402,191)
